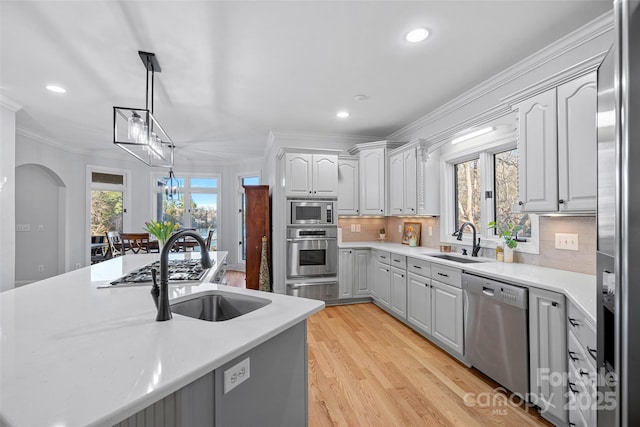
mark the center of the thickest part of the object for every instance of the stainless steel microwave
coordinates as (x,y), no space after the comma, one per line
(311,212)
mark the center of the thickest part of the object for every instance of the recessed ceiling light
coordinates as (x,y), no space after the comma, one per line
(342,114)
(417,35)
(56,89)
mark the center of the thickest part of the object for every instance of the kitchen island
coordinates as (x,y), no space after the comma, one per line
(76,355)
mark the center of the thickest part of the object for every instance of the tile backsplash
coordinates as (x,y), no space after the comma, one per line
(581,261)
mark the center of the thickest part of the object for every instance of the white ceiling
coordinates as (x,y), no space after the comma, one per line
(233,70)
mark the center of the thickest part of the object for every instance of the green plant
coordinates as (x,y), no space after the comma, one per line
(161,230)
(508,232)
(383,231)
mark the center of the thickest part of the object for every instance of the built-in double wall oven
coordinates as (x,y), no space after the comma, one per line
(312,249)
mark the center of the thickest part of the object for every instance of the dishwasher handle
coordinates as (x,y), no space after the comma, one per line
(488,291)
(496,291)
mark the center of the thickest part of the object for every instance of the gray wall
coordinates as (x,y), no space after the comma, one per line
(7,194)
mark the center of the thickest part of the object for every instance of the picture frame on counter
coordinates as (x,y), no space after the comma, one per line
(411,230)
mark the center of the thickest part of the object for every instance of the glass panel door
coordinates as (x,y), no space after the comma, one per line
(204,215)
(106,211)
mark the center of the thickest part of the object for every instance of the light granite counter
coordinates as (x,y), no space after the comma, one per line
(76,355)
(579,288)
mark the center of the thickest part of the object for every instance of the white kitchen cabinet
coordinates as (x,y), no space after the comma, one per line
(348,187)
(399,292)
(345,273)
(396,184)
(373,273)
(548,351)
(419,302)
(577,138)
(311,175)
(447,315)
(403,182)
(538,153)
(557,148)
(372,181)
(361,272)
(383,284)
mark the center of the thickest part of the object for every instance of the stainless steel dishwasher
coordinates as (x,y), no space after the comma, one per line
(497,332)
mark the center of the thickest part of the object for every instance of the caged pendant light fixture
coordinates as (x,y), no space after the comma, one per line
(137,131)
(171,187)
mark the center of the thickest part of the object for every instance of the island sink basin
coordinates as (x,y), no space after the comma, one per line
(454,258)
(218,306)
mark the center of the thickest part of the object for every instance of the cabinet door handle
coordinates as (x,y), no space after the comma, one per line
(418,267)
(572,357)
(381,210)
(520,203)
(583,373)
(571,388)
(561,201)
(573,321)
(442,274)
(383,257)
(396,260)
(592,353)
(555,304)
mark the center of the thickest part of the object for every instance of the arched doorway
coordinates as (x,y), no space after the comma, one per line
(40,219)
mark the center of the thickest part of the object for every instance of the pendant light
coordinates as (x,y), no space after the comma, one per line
(137,131)
(171,187)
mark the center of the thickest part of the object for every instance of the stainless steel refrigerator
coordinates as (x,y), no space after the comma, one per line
(618,252)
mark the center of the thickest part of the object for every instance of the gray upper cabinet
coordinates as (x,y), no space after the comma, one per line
(557,148)
(348,187)
(311,175)
(577,134)
(372,181)
(396,184)
(537,149)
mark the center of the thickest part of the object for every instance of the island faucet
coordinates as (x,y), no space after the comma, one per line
(476,246)
(161,296)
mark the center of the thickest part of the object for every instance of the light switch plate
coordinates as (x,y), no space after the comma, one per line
(23,227)
(567,242)
(430,231)
(236,375)
(353,228)
(357,228)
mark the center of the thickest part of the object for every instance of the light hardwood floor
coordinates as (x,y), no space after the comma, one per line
(368,369)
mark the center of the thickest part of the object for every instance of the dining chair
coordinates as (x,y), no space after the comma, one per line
(99,249)
(115,243)
(135,242)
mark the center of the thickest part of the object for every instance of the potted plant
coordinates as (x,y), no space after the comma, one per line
(160,230)
(509,233)
(382,233)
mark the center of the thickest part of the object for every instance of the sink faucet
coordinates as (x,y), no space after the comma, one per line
(476,246)
(161,296)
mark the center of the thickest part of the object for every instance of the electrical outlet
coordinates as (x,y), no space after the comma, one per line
(40,227)
(430,231)
(567,242)
(236,375)
(23,227)
(353,228)
(40,268)
(399,228)
(357,228)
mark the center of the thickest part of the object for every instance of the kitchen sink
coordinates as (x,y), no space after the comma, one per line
(218,306)
(455,258)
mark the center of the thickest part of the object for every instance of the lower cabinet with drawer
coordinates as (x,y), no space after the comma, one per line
(581,356)
(383,280)
(547,354)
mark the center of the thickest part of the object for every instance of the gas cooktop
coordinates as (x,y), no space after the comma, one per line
(182,271)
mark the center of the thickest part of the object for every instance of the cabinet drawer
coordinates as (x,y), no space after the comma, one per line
(448,275)
(583,330)
(399,261)
(581,397)
(419,267)
(384,257)
(581,362)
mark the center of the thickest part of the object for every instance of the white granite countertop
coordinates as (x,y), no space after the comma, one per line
(579,288)
(75,355)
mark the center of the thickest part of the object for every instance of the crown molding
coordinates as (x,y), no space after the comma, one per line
(597,27)
(9,103)
(314,137)
(391,145)
(34,136)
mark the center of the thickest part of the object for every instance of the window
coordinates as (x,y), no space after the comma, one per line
(195,206)
(106,202)
(244,180)
(480,185)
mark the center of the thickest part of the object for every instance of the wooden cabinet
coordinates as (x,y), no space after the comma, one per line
(419,302)
(547,352)
(258,224)
(348,187)
(577,138)
(403,182)
(353,273)
(537,150)
(345,273)
(311,175)
(361,273)
(447,316)
(557,148)
(372,181)
(399,292)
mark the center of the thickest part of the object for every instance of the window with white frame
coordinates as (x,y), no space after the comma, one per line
(481,185)
(252,179)
(195,206)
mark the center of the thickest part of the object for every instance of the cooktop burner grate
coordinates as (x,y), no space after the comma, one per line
(179,270)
